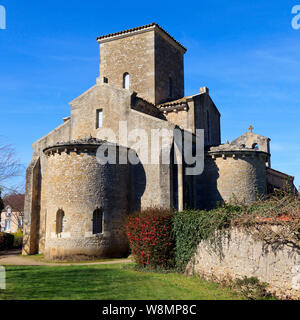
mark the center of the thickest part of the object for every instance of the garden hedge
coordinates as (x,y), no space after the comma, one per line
(18,240)
(159,237)
(6,241)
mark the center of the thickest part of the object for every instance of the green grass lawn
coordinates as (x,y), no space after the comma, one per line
(41,258)
(102,282)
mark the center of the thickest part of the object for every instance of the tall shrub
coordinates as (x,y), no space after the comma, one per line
(6,241)
(151,238)
(18,240)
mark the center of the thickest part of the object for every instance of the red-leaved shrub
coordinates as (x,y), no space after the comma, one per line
(151,238)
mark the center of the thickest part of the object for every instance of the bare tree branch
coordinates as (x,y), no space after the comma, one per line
(15,201)
(9,164)
(1,203)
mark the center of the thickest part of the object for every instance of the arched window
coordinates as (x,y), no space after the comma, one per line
(255,146)
(60,224)
(170,88)
(98,221)
(126,81)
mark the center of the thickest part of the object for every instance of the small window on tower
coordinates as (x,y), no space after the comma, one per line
(97,221)
(126,81)
(60,223)
(99,118)
(255,146)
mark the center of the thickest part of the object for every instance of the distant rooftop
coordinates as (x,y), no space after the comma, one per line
(137,29)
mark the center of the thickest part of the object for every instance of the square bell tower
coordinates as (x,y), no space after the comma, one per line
(146,60)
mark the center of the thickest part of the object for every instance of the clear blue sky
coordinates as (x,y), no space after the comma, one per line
(246,52)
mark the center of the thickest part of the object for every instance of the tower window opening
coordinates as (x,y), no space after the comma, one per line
(255,146)
(126,81)
(98,221)
(99,119)
(60,223)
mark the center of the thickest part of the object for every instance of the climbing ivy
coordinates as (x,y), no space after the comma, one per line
(158,236)
(191,227)
(258,219)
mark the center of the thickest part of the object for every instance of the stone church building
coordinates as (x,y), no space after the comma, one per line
(76,206)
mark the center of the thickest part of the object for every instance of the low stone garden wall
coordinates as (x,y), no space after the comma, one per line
(238,253)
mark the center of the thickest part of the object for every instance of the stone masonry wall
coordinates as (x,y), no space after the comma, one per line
(150,182)
(207,117)
(168,64)
(32,207)
(181,118)
(134,55)
(238,254)
(231,177)
(150,61)
(77,184)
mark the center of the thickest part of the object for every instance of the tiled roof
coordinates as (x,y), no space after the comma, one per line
(142,99)
(229,148)
(173,103)
(141,28)
(79,142)
(273,171)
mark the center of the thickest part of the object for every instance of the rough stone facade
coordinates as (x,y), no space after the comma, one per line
(277,180)
(254,141)
(195,112)
(64,175)
(238,254)
(231,175)
(77,184)
(150,56)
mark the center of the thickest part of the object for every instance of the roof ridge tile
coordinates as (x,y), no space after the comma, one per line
(140,28)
